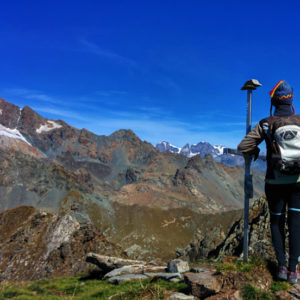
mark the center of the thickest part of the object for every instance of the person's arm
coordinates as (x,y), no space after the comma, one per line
(250,142)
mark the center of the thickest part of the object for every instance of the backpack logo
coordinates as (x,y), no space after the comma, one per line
(288,135)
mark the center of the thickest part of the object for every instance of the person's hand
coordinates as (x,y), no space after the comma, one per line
(255,153)
(251,154)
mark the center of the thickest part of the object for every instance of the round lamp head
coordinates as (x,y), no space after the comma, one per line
(251,84)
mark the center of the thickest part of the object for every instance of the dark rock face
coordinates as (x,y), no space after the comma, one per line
(30,121)
(203,149)
(10,114)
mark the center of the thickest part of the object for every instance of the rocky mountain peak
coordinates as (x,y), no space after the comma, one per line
(9,114)
(30,121)
(124,134)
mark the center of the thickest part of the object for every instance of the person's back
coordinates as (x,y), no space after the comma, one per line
(281,132)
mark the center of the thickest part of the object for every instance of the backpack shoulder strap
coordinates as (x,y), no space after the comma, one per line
(267,125)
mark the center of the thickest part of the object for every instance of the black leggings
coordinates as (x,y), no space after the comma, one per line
(280,197)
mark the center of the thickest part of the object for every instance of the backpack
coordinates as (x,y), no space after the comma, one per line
(285,144)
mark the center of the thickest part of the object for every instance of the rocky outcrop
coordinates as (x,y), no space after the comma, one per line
(35,245)
(211,246)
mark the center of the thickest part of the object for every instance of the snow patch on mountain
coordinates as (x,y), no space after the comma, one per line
(166,146)
(48,127)
(12,133)
(220,149)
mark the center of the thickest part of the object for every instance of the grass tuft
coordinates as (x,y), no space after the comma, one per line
(280,286)
(237,264)
(250,292)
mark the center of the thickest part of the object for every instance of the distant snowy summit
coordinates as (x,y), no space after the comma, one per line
(217,152)
(188,150)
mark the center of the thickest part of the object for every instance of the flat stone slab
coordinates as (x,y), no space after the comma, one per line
(155,269)
(110,262)
(127,277)
(180,296)
(165,276)
(133,269)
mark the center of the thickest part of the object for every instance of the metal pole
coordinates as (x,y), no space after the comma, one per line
(249,85)
(248,180)
(249,111)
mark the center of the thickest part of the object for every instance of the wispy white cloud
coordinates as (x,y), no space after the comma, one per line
(162,80)
(60,113)
(31,95)
(166,81)
(107,93)
(97,50)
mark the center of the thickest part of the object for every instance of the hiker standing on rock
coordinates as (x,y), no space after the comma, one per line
(281,132)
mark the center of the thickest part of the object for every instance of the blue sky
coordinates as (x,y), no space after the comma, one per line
(168,70)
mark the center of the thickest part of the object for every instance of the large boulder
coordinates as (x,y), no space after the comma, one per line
(203,284)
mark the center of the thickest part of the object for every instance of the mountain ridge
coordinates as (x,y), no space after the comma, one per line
(217,152)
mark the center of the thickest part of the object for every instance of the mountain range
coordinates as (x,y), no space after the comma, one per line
(217,153)
(145,201)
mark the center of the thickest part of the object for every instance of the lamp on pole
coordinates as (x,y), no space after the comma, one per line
(250,86)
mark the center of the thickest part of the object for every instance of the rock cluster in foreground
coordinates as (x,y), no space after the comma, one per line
(204,281)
